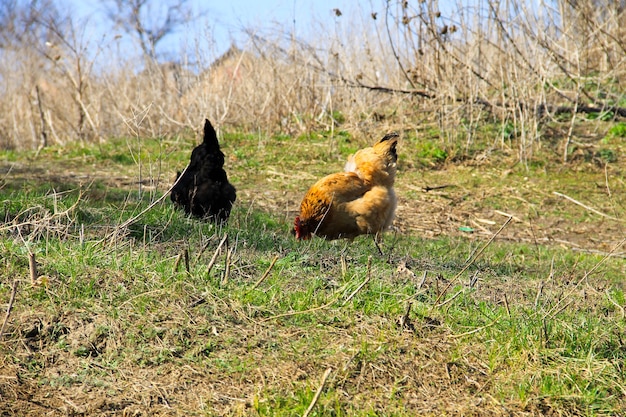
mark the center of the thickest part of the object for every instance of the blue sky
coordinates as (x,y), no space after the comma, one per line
(224,21)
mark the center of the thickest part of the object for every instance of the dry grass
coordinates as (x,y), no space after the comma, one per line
(514,63)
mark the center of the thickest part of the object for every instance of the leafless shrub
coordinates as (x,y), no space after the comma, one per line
(401,64)
(47,66)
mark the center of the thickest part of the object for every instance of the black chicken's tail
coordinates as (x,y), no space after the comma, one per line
(210,137)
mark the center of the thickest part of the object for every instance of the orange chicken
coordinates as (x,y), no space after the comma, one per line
(359,201)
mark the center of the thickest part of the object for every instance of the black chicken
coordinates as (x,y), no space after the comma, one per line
(204,190)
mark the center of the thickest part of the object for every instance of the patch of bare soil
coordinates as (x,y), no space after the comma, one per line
(410,372)
(439,216)
(542,211)
(447,202)
(61,178)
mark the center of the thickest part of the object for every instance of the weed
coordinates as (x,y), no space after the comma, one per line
(617,131)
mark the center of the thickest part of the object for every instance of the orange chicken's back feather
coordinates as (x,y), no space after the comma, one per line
(359,201)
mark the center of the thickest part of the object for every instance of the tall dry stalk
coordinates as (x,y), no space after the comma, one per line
(388,65)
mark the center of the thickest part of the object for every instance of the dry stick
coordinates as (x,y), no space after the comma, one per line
(344,265)
(456,336)
(206,245)
(380,251)
(265,274)
(177,263)
(598,252)
(444,47)
(186,258)
(568,138)
(616,304)
(606,179)
(393,48)
(78,97)
(472,260)
(502,213)
(506,305)
(436,187)
(563,307)
(48,217)
(419,286)
(144,211)
(599,213)
(473,280)
(11,301)
(217,251)
(553,310)
(459,292)
(519,53)
(310,310)
(178,258)
(229,254)
(32,264)
(328,304)
(367,279)
(318,393)
(404,320)
(42,116)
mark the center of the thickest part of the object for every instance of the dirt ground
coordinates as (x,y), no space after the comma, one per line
(421,378)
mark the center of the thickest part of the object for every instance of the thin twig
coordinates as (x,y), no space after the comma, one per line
(459,292)
(506,305)
(398,61)
(318,393)
(436,187)
(229,254)
(197,302)
(144,211)
(328,304)
(563,307)
(570,131)
(32,266)
(265,274)
(606,179)
(164,397)
(456,336)
(367,279)
(599,213)
(405,321)
(472,260)
(310,310)
(217,251)
(616,304)
(380,251)
(598,252)
(473,280)
(186,258)
(11,301)
(177,262)
(554,310)
(204,247)
(419,286)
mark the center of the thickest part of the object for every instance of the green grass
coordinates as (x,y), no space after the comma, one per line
(531,325)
